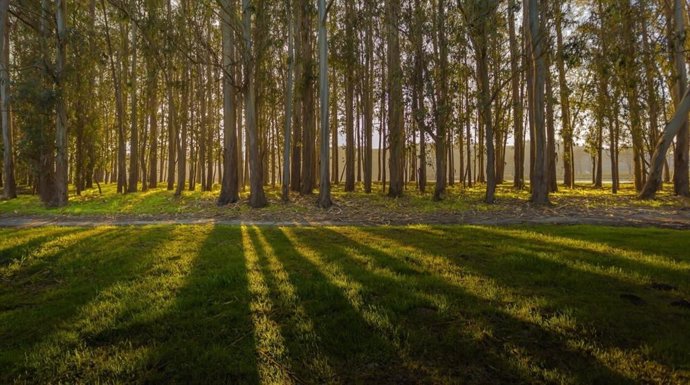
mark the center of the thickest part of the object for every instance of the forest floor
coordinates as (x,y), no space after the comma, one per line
(582,205)
(212,304)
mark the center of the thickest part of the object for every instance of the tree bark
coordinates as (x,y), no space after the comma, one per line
(9,183)
(257,197)
(229,190)
(396,136)
(540,192)
(61,140)
(325,178)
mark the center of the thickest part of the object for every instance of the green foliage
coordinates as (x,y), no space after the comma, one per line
(425,304)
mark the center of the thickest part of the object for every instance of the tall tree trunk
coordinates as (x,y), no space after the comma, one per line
(257,197)
(307,89)
(564,92)
(9,184)
(680,155)
(540,192)
(184,122)
(550,128)
(229,190)
(134,133)
(325,178)
(350,62)
(288,104)
(368,101)
(61,140)
(153,125)
(396,136)
(172,114)
(443,107)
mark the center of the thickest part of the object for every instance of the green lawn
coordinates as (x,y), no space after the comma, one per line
(159,201)
(380,305)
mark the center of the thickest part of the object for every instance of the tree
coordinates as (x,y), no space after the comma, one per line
(540,192)
(61,140)
(257,197)
(229,191)
(134,133)
(396,129)
(325,179)
(9,184)
(680,154)
(289,98)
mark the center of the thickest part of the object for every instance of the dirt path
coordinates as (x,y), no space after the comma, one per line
(673,219)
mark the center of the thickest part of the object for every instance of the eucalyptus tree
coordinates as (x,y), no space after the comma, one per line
(134,132)
(257,197)
(478,15)
(678,127)
(289,98)
(229,192)
(9,184)
(61,139)
(325,179)
(535,28)
(396,122)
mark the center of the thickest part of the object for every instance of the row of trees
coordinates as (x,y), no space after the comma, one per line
(139,92)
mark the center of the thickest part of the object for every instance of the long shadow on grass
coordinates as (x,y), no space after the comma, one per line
(437,343)
(204,334)
(512,264)
(302,343)
(348,331)
(58,285)
(512,339)
(31,240)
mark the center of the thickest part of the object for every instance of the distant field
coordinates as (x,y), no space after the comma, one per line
(379,305)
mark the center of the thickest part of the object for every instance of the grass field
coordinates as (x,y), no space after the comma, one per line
(380,305)
(159,201)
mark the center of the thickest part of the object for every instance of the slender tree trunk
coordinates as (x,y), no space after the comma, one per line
(184,122)
(396,136)
(325,178)
(540,193)
(134,133)
(288,105)
(9,184)
(550,129)
(564,91)
(229,190)
(153,125)
(307,89)
(680,155)
(257,197)
(61,140)
(443,107)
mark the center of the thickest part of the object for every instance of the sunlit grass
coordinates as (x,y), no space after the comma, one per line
(457,200)
(385,305)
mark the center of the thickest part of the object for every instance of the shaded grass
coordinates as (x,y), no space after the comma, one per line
(385,305)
